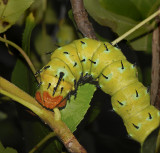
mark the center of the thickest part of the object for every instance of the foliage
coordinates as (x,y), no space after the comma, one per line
(10,11)
(6,150)
(122,15)
(44,30)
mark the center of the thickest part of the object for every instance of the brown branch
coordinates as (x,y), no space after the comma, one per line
(81,18)
(155,85)
(52,119)
(62,132)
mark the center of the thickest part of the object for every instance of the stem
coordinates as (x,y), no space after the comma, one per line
(53,119)
(57,114)
(15,93)
(46,138)
(62,132)
(81,19)
(135,28)
(21,51)
(155,85)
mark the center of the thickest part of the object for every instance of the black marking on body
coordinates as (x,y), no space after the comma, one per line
(98,86)
(137,93)
(104,76)
(137,127)
(39,85)
(62,89)
(69,96)
(83,42)
(75,84)
(150,116)
(59,80)
(122,65)
(83,60)
(106,47)
(46,67)
(92,61)
(120,103)
(75,64)
(65,52)
(54,90)
(38,72)
(49,84)
(87,78)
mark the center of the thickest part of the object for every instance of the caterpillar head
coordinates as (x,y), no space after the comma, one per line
(52,92)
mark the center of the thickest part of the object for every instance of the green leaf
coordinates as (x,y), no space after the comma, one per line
(121,16)
(65,34)
(6,150)
(43,44)
(113,6)
(77,108)
(22,75)
(33,130)
(10,11)
(30,24)
(149,145)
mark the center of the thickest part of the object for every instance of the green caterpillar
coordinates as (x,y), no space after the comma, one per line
(87,59)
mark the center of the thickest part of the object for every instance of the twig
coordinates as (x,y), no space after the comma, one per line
(81,18)
(53,119)
(155,85)
(135,28)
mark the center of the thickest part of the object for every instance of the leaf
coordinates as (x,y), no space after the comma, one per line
(33,130)
(77,108)
(30,24)
(10,11)
(65,34)
(6,150)
(121,16)
(149,145)
(43,44)
(22,75)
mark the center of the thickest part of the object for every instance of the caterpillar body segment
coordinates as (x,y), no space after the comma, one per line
(126,100)
(143,123)
(86,50)
(70,56)
(116,76)
(104,56)
(87,59)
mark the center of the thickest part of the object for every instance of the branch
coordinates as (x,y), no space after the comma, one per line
(81,19)
(155,85)
(53,119)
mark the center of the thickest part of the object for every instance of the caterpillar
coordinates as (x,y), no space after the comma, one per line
(87,60)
